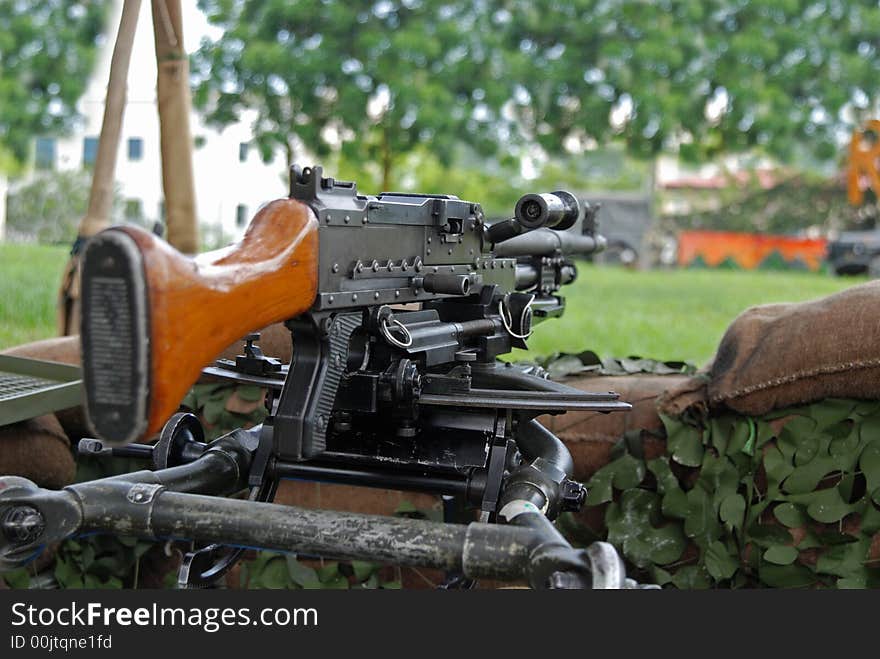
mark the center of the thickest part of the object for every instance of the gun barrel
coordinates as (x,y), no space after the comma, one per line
(546,242)
(528,276)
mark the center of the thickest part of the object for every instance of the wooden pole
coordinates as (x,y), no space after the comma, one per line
(97,216)
(173,98)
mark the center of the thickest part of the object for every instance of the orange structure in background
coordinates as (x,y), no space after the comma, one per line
(864,162)
(749,250)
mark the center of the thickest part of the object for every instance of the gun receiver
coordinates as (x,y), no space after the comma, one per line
(399,306)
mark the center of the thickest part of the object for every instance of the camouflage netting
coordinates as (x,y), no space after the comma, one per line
(786,499)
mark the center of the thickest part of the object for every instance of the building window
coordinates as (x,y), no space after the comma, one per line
(44,157)
(135,148)
(242,151)
(240,215)
(90,151)
(134,210)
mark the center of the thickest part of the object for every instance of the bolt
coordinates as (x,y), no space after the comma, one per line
(376,295)
(354,297)
(573,496)
(23,524)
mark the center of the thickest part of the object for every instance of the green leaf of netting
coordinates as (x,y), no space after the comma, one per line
(824,505)
(302,575)
(683,442)
(786,576)
(869,463)
(790,514)
(732,511)
(630,528)
(691,577)
(768,535)
(718,561)
(623,473)
(674,502)
(781,554)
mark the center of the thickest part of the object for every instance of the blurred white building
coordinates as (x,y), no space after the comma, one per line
(231,180)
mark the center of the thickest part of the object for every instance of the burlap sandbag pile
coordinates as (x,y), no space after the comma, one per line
(777,355)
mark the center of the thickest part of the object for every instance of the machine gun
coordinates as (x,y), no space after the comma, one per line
(398,306)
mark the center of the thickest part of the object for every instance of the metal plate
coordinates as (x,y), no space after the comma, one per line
(31,387)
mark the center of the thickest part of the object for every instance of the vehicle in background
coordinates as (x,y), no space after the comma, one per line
(855,253)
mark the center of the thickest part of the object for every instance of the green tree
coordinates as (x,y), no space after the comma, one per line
(375,79)
(698,76)
(47,209)
(47,50)
(797,202)
(384,77)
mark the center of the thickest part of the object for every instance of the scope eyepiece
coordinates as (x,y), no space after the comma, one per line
(556,210)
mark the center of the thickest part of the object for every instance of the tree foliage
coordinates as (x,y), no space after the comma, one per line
(47,50)
(384,77)
(47,209)
(701,76)
(793,204)
(378,77)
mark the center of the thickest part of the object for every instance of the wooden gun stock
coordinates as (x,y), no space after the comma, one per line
(152,318)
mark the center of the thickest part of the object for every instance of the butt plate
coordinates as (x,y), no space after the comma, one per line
(115,337)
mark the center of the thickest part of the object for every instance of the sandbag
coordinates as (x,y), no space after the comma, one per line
(37,449)
(777,355)
(590,436)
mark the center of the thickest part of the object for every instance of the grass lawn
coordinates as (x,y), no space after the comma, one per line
(667,314)
(29,279)
(678,314)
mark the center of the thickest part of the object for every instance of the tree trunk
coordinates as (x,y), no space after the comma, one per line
(173,98)
(97,216)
